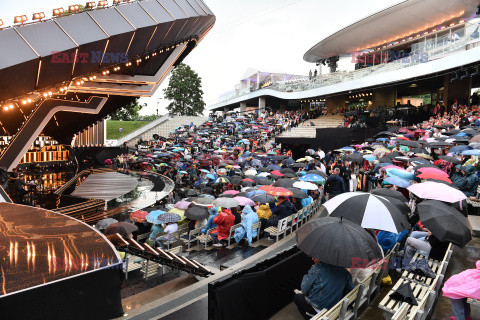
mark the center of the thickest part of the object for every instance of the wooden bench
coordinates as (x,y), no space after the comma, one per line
(205,238)
(475,202)
(280,229)
(341,310)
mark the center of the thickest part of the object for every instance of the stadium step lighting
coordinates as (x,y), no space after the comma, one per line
(58,12)
(38,16)
(20,19)
(73,8)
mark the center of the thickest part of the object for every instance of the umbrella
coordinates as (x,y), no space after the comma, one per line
(123,228)
(297,193)
(236,180)
(287,170)
(396,181)
(152,217)
(284,183)
(299,165)
(305,185)
(436,191)
(277,191)
(234,192)
(264,182)
(473,152)
(320,173)
(404,174)
(183,205)
(450,159)
(355,157)
(310,177)
(197,213)
(203,202)
(371,211)
(225,203)
(434,176)
(104,223)
(263,198)
(252,193)
(274,167)
(404,293)
(222,180)
(335,241)
(243,201)
(169,217)
(288,161)
(445,222)
(138,216)
(277,173)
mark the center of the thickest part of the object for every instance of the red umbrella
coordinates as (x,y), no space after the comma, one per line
(277,173)
(419,131)
(433,170)
(249,180)
(433,175)
(404,130)
(277,191)
(139,216)
(403,138)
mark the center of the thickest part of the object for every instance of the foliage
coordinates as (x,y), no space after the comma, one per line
(185,92)
(113,128)
(128,112)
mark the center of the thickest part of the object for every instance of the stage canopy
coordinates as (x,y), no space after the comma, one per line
(106,186)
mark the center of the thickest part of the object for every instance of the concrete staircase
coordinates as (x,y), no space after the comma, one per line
(162,127)
(306,130)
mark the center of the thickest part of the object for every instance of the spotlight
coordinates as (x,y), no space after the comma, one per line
(5,108)
(476,73)
(454,78)
(466,75)
(20,19)
(38,16)
(102,3)
(90,5)
(10,106)
(73,8)
(116,1)
(58,12)
(1,22)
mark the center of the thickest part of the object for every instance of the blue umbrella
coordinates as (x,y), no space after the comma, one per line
(459,149)
(347,149)
(274,167)
(396,181)
(311,177)
(400,173)
(474,152)
(152,217)
(255,192)
(210,176)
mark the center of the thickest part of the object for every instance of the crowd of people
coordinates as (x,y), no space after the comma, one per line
(231,163)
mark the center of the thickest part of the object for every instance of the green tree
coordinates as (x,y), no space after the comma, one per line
(185,92)
(128,112)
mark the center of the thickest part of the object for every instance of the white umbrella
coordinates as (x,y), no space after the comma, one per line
(251,172)
(305,185)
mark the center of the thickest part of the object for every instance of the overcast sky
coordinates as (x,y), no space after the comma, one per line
(270,35)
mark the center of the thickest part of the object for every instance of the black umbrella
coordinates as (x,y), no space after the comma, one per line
(289,175)
(197,213)
(355,157)
(123,228)
(288,161)
(370,211)
(297,193)
(404,293)
(263,198)
(337,241)
(286,170)
(408,143)
(320,173)
(450,159)
(235,180)
(262,169)
(445,222)
(246,183)
(299,165)
(438,145)
(384,192)
(264,182)
(284,183)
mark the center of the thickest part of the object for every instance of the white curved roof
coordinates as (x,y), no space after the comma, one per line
(400,20)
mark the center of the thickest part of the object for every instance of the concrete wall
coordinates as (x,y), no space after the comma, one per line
(459,89)
(335,103)
(384,97)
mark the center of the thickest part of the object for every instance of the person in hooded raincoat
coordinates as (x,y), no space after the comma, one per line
(249,218)
(264,212)
(470,182)
(459,288)
(210,224)
(457,177)
(224,221)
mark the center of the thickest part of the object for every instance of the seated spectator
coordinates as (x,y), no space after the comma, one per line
(154,232)
(167,234)
(470,181)
(322,288)
(459,288)
(386,240)
(224,221)
(210,224)
(249,218)
(264,212)
(282,210)
(429,245)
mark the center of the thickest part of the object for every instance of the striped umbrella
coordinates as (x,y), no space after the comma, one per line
(169,217)
(222,180)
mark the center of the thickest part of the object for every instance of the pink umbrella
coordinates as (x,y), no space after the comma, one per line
(244,201)
(183,205)
(433,170)
(392,167)
(437,191)
(231,192)
(277,173)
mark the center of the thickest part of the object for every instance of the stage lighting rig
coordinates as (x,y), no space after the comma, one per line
(38,16)
(90,5)
(20,19)
(73,8)
(58,12)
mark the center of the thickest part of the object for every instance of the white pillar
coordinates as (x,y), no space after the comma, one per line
(258,80)
(225,110)
(261,104)
(243,107)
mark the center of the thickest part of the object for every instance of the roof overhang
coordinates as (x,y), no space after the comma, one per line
(397,21)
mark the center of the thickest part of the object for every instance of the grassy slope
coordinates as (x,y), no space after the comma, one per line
(113,127)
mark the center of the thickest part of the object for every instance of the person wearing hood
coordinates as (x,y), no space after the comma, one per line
(457,176)
(210,224)
(263,211)
(282,210)
(470,183)
(459,288)
(249,218)
(224,221)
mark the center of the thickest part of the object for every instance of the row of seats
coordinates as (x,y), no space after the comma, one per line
(156,255)
(424,289)
(360,296)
